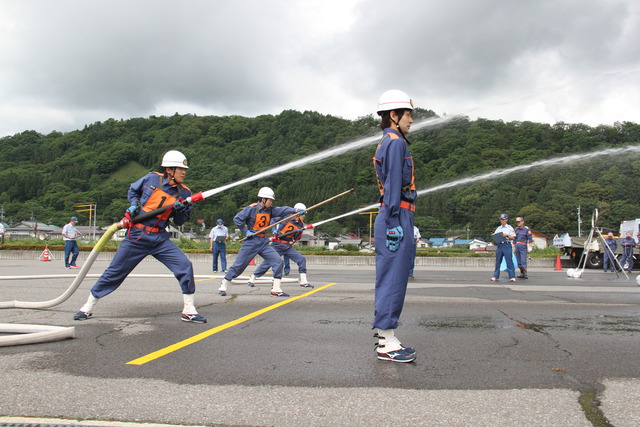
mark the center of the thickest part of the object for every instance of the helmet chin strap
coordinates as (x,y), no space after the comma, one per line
(171,176)
(397,123)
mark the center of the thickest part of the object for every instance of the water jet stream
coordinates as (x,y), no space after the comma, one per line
(629,149)
(331,152)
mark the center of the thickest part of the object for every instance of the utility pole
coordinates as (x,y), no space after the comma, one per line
(370,222)
(579,223)
(91,208)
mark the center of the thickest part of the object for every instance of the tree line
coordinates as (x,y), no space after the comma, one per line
(46,176)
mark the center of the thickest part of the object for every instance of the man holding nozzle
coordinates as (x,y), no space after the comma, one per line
(284,237)
(150,237)
(252,220)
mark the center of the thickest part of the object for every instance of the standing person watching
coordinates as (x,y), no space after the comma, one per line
(150,237)
(217,244)
(503,237)
(627,244)
(2,231)
(416,240)
(69,235)
(523,240)
(609,251)
(393,228)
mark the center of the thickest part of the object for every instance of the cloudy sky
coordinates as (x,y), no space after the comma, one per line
(67,63)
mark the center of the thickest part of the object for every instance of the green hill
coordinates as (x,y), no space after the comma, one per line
(45,176)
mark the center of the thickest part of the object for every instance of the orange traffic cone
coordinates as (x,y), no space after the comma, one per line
(45,254)
(252,262)
(558,263)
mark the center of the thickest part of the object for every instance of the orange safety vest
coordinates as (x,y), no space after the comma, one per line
(160,198)
(262,220)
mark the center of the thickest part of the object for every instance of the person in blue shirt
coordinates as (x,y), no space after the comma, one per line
(416,240)
(150,237)
(522,241)
(503,236)
(393,228)
(609,251)
(69,235)
(218,246)
(251,220)
(627,243)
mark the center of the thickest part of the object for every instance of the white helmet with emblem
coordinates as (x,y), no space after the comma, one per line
(300,206)
(394,99)
(266,193)
(174,159)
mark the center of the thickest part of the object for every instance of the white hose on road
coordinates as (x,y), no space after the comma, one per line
(31,334)
(78,280)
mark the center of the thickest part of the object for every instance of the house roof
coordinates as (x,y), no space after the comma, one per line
(462,241)
(32,225)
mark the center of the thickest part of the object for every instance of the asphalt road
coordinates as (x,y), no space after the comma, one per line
(488,353)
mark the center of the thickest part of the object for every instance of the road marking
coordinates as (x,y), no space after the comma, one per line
(179,345)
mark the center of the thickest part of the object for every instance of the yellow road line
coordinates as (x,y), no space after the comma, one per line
(177,346)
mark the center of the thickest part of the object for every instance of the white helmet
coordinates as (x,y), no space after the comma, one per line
(301,206)
(174,159)
(394,99)
(266,193)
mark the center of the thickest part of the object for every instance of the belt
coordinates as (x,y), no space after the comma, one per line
(286,242)
(521,243)
(259,235)
(149,229)
(405,205)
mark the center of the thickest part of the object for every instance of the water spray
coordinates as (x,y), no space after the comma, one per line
(629,149)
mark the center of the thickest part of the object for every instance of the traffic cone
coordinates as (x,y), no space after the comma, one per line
(45,254)
(558,263)
(252,262)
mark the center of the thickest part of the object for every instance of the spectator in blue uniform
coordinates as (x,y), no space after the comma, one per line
(150,237)
(250,221)
(627,244)
(503,237)
(218,246)
(285,235)
(611,245)
(393,228)
(523,240)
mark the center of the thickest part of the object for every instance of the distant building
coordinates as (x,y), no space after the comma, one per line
(35,229)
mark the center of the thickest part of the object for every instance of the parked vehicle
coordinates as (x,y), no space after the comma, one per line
(575,246)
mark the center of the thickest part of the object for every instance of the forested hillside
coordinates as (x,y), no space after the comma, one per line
(45,176)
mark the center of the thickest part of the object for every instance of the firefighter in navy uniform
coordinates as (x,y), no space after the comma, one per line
(522,241)
(285,236)
(149,237)
(393,229)
(250,221)
(627,244)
